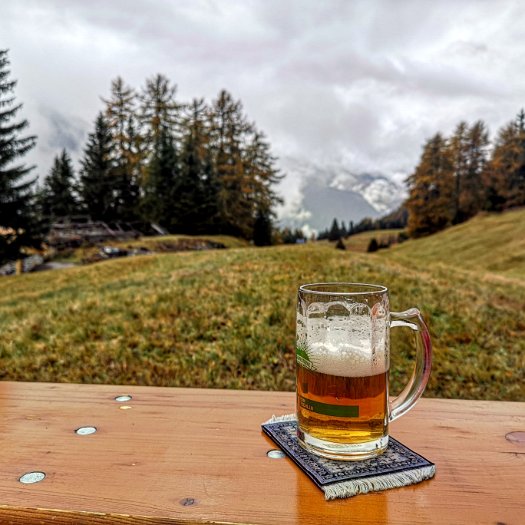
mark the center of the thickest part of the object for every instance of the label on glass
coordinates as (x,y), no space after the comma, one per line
(329,410)
(303,358)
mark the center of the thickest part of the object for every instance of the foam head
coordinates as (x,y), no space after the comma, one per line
(344,341)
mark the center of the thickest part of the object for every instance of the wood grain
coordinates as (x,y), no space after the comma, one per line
(198,456)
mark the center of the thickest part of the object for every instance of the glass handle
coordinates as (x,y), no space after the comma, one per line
(412,392)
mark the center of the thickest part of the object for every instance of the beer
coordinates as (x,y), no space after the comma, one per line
(338,409)
(342,382)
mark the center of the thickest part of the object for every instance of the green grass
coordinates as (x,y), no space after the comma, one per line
(226,318)
(360,241)
(488,243)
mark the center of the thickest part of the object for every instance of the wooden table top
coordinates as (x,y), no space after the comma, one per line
(178,455)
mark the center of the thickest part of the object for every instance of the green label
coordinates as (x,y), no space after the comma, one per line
(303,358)
(329,410)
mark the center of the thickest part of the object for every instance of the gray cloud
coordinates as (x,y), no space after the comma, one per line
(64,131)
(362,83)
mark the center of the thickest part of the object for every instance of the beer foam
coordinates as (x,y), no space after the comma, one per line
(348,346)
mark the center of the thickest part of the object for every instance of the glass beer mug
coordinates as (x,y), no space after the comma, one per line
(343,361)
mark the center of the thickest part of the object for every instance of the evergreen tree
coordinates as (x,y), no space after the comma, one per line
(262,230)
(472,195)
(127,150)
(57,197)
(431,203)
(335,232)
(459,158)
(244,169)
(468,148)
(19,228)
(505,177)
(373,245)
(161,182)
(98,187)
(228,128)
(259,176)
(196,205)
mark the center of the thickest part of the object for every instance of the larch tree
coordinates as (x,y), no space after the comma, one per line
(127,148)
(506,172)
(228,127)
(261,175)
(431,187)
(159,112)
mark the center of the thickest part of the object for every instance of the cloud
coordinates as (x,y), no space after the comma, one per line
(359,83)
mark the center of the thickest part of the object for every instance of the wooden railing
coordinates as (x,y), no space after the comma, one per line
(168,456)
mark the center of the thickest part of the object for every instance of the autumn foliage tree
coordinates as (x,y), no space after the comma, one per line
(431,189)
(458,177)
(505,179)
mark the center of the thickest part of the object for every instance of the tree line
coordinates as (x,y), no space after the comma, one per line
(461,175)
(192,167)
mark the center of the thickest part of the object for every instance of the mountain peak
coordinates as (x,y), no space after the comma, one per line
(325,192)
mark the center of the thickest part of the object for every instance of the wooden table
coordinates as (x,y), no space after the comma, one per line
(198,456)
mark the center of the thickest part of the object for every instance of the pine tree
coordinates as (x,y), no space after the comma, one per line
(127,150)
(459,157)
(98,186)
(335,232)
(431,203)
(373,245)
(19,228)
(262,230)
(260,174)
(196,207)
(468,148)
(161,182)
(57,197)
(472,195)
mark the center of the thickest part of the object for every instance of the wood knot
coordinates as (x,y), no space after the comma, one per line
(516,437)
(186,502)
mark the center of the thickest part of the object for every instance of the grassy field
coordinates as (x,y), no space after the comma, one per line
(226,318)
(360,241)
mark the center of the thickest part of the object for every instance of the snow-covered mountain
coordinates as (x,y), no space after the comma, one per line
(314,195)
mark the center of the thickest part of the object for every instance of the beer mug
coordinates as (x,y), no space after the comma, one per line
(343,361)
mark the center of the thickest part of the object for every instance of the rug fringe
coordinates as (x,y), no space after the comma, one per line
(347,489)
(280,419)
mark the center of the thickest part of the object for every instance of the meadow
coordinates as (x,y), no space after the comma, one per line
(226,318)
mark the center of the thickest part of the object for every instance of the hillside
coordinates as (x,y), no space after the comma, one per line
(226,318)
(490,242)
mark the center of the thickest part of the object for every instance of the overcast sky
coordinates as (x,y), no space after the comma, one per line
(356,82)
